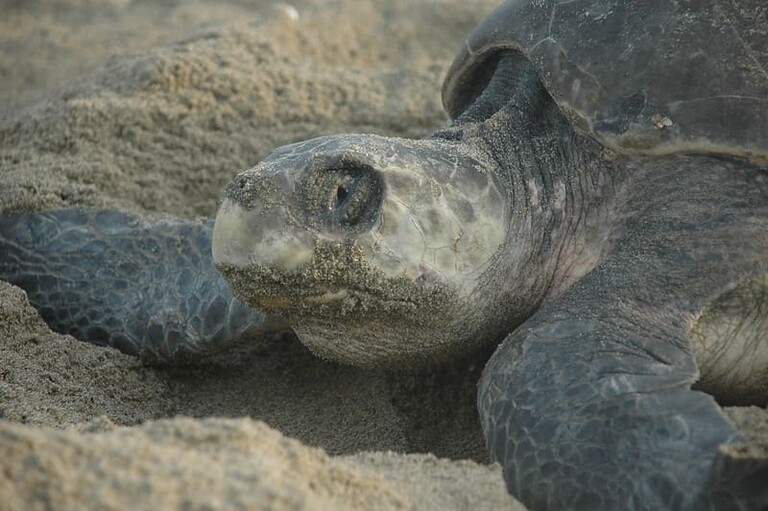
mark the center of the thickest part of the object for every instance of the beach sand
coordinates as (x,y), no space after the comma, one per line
(153,107)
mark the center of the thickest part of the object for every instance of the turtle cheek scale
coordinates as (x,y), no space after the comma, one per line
(398,278)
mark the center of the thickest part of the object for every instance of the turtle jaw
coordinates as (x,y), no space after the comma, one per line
(359,317)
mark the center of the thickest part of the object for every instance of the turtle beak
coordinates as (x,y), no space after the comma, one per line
(228,245)
(242,236)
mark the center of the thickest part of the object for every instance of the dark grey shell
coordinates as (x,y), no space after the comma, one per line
(646,76)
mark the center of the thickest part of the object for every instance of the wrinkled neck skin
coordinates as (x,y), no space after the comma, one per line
(564,192)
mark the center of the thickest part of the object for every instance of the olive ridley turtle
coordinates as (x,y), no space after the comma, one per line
(598,207)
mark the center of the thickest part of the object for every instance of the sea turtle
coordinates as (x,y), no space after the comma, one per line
(598,205)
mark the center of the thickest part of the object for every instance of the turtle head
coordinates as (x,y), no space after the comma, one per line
(377,251)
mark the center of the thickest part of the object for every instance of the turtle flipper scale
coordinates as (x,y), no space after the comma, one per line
(110,278)
(576,430)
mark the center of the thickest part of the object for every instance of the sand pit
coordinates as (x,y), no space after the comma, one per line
(152,107)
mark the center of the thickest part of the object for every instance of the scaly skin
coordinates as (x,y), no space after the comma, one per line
(110,278)
(588,405)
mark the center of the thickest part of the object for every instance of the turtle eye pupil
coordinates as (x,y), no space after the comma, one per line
(341,195)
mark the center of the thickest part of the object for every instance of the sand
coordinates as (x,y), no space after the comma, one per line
(152,107)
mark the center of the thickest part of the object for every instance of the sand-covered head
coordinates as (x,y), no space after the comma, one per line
(378,251)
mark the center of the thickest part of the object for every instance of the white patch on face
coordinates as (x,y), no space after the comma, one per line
(240,235)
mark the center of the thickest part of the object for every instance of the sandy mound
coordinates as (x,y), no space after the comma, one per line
(224,464)
(153,107)
(242,463)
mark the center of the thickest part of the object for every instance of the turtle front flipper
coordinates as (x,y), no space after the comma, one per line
(111,278)
(589,405)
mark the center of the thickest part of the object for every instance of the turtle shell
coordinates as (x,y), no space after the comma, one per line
(646,76)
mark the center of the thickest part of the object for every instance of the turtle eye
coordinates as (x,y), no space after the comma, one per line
(353,197)
(349,193)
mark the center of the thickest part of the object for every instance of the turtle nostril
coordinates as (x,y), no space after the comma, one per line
(239,191)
